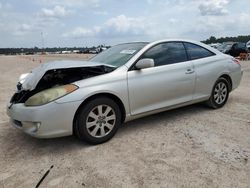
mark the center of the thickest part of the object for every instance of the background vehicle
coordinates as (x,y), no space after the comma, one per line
(215,45)
(248,46)
(91,99)
(233,48)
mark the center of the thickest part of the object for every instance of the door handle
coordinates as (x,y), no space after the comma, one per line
(189,71)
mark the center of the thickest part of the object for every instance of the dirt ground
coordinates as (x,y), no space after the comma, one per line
(192,146)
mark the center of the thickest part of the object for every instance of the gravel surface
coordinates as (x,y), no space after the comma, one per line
(192,146)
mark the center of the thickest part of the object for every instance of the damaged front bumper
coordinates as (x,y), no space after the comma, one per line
(45,121)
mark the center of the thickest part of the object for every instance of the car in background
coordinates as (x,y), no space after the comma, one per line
(225,46)
(233,48)
(91,99)
(215,45)
(248,46)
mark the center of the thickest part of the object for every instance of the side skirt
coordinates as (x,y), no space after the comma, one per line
(130,117)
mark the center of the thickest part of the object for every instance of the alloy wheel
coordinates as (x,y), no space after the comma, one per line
(100,121)
(220,93)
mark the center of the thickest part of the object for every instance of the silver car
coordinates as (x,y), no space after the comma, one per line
(91,99)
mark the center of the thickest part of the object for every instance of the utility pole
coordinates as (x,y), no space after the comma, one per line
(42,43)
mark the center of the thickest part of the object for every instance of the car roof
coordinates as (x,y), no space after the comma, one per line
(168,40)
(187,41)
(151,44)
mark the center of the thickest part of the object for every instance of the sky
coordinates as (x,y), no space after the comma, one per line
(80,23)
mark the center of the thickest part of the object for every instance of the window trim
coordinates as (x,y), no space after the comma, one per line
(189,58)
(132,67)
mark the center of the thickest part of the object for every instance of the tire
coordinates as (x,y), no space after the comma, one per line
(219,95)
(98,120)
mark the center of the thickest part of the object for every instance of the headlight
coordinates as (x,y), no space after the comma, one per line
(49,95)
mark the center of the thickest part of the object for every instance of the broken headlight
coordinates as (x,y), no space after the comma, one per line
(49,95)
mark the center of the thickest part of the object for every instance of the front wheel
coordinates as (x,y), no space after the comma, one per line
(219,94)
(98,120)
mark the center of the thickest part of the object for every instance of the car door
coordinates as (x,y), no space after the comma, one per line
(171,81)
(207,68)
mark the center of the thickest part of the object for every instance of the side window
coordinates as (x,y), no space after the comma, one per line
(197,52)
(167,53)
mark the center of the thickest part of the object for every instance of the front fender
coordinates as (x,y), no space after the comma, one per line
(119,90)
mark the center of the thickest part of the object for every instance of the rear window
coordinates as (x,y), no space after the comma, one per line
(197,52)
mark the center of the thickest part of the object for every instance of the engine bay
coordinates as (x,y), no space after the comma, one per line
(58,77)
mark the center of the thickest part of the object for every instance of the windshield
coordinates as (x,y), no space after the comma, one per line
(119,55)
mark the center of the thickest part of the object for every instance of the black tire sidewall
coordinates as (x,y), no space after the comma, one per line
(83,133)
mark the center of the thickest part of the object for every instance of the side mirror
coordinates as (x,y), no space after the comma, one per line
(145,63)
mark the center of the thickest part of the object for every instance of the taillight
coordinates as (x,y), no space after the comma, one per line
(236,61)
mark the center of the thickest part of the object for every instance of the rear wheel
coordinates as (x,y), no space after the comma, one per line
(98,120)
(219,94)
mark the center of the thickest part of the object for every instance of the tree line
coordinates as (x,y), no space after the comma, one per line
(240,38)
(30,51)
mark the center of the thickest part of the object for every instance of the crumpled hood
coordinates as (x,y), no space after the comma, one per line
(32,79)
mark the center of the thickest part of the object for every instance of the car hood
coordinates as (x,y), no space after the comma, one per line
(30,80)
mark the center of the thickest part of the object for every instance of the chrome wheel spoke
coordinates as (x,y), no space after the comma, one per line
(109,126)
(102,131)
(99,110)
(112,117)
(90,124)
(221,99)
(93,115)
(100,121)
(224,90)
(223,95)
(220,86)
(223,87)
(216,90)
(108,109)
(217,100)
(94,131)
